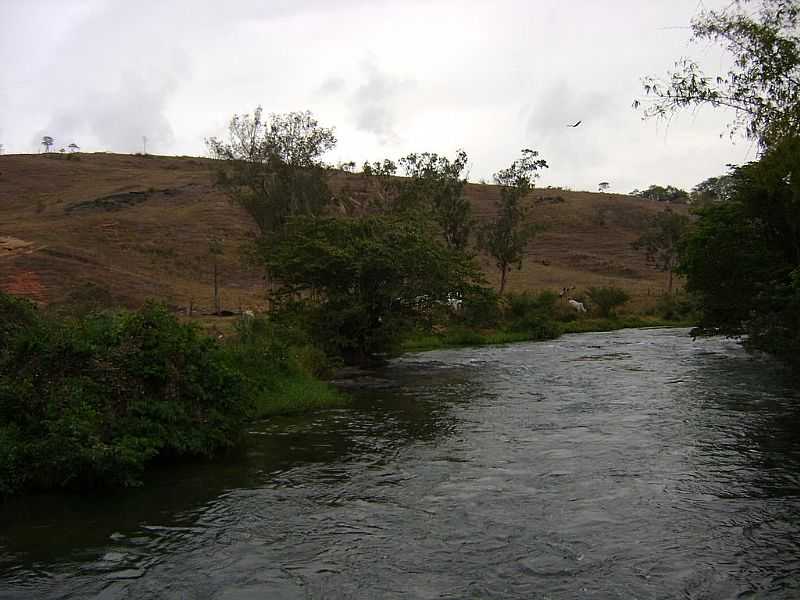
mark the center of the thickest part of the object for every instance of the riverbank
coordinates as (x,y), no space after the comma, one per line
(540,465)
(93,401)
(461,337)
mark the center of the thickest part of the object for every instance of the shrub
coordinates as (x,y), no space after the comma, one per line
(480,307)
(528,311)
(607,299)
(679,306)
(90,401)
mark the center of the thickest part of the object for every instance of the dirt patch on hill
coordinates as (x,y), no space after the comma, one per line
(120,201)
(26,284)
(11,246)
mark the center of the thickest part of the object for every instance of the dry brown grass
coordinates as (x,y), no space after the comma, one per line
(139,227)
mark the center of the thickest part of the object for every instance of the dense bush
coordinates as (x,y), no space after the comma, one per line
(533,314)
(480,307)
(607,299)
(90,401)
(358,285)
(679,306)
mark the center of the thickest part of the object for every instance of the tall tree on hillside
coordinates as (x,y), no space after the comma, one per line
(662,194)
(273,167)
(660,242)
(713,189)
(506,237)
(47,142)
(73,147)
(436,184)
(384,187)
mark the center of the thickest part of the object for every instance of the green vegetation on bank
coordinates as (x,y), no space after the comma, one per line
(91,401)
(537,317)
(741,254)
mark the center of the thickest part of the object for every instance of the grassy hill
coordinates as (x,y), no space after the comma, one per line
(111,228)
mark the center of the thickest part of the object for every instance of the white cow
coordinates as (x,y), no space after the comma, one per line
(577,305)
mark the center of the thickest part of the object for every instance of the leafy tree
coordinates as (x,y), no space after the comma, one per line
(273,166)
(607,299)
(742,258)
(432,190)
(603,186)
(506,237)
(47,142)
(763,85)
(436,184)
(73,147)
(660,241)
(384,186)
(662,194)
(363,282)
(713,189)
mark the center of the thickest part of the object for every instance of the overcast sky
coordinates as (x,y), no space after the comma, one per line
(391,76)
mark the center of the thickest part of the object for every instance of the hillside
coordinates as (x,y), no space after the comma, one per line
(122,228)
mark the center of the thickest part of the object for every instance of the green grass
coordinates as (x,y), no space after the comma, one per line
(621,322)
(460,336)
(296,393)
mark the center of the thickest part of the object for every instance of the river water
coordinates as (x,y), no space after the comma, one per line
(634,464)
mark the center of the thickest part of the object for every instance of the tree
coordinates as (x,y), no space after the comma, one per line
(713,189)
(603,186)
(607,299)
(384,186)
(362,282)
(662,194)
(762,88)
(742,256)
(436,185)
(660,241)
(506,237)
(73,147)
(2,148)
(273,167)
(47,142)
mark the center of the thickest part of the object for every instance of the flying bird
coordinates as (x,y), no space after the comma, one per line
(576,124)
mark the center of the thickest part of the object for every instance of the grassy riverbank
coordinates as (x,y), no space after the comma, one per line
(91,401)
(458,337)
(536,317)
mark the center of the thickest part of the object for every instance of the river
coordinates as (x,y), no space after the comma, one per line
(633,464)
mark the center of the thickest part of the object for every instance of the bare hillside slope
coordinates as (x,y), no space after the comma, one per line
(138,227)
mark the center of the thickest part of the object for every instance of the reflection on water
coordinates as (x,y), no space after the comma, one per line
(614,465)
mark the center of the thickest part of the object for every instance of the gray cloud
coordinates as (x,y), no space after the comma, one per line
(373,103)
(497,77)
(117,119)
(332,86)
(561,105)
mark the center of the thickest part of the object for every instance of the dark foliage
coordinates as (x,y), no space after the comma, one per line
(89,402)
